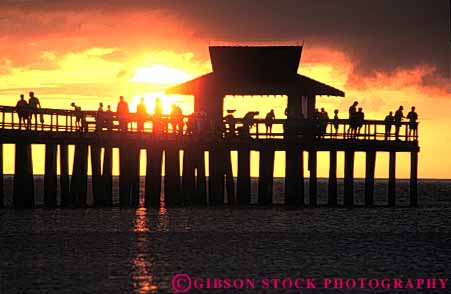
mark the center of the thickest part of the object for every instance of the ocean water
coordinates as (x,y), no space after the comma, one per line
(113,250)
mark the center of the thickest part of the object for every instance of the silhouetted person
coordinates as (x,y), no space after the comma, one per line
(141,113)
(100,117)
(248,121)
(269,120)
(398,119)
(201,119)
(78,116)
(412,116)
(33,106)
(229,119)
(22,111)
(352,122)
(108,118)
(336,121)
(359,120)
(157,117)
(389,120)
(191,125)
(323,121)
(176,119)
(122,114)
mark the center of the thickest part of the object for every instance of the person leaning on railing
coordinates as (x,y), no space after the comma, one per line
(22,111)
(389,120)
(398,119)
(34,105)
(412,116)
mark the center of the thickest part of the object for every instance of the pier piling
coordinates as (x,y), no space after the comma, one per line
(313,181)
(188,175)
(332,184)
(107,175)
(200,194)
(349,178)
(98,190)
(266,176)
(2,195)
(50,176)
(172,190)
(23,194)
(244,176)
(294,178)
(79,180)
(153,176)
(216,175)
(65,195)
(370,165)
(392,179)
(414,178)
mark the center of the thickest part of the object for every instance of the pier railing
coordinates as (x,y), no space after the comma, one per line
(58,120)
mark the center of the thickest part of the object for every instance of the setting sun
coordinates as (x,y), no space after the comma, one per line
(160,74)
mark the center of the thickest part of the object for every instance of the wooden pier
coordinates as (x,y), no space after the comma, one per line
(191,186)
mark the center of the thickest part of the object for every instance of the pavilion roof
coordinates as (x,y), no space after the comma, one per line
(212,83)
(254,70)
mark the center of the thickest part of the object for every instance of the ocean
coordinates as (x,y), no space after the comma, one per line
(113,250)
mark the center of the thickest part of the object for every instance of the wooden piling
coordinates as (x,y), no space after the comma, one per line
(124,176)
(134,165)
(65,195)
(230,182)
(188,175)
(172,190)
(2,195)
(153,176)
(216,176)
(369,177)
(244,176)
(50,176)
(79,180)
(414,178)
(313,182)
(200,197)
(349,178)
(294,178)
(392,179)
(96,176)
(266,176)
(332,184)
(107,175)
(23,194)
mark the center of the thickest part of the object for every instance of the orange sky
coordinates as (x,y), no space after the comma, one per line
(90,55)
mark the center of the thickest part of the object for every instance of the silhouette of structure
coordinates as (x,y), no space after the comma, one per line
(236,70)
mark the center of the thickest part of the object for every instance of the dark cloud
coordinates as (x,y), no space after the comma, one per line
(381,35)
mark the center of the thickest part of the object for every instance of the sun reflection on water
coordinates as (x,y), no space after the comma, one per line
(142,278)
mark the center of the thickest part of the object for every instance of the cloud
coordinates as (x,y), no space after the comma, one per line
(379,35)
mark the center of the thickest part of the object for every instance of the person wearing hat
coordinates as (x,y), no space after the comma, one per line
(78,116)
(398,119)
(229,119)
(269,120)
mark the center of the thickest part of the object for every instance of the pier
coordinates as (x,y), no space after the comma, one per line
(190,185)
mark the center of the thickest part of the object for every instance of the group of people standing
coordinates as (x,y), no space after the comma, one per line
(356,120)
(396,120)
(27,109)
(198,121)
(105,118)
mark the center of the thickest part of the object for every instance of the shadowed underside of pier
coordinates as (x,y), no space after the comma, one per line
(192,186)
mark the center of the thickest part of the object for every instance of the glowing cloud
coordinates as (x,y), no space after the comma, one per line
(159,74)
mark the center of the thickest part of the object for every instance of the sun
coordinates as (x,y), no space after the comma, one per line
(160,74)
